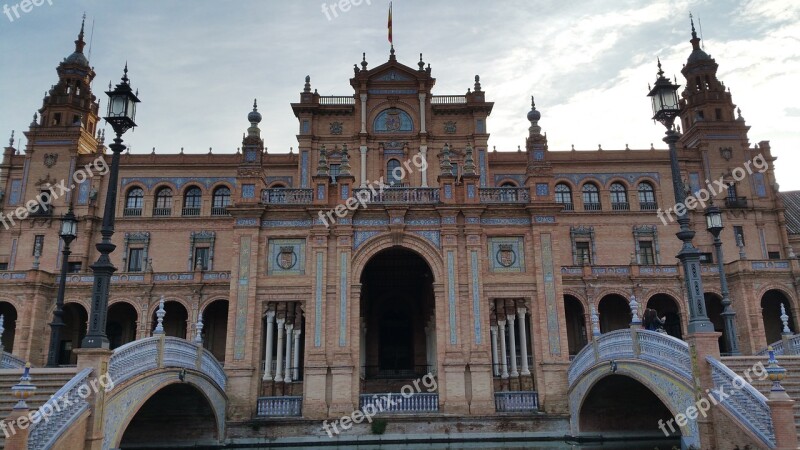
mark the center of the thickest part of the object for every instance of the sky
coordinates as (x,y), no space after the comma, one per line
(198,64)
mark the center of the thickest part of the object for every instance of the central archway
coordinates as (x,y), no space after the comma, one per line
(397,311)
(618,403)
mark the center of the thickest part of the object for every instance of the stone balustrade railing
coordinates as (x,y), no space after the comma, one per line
(137,357)
(505,195)
(9,361)
(743,401)
(398,403)
(516,401)
(658,348)
(62,410)
(286,196)
(399,195)
(279,406)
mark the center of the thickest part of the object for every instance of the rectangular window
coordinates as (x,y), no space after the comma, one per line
(707,258)
(583,254)
(201,258)
(135,256)
(333,170)
(718,113)
(4,266)
(738,231)
(774,255)
(646,254)
(74,267)
(38,243)
(481,128)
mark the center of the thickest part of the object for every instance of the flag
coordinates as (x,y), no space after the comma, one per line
(390,23)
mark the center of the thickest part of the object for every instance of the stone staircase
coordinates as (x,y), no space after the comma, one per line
(47,382)
(739,364)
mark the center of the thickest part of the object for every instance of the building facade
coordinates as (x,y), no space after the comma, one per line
(394,244)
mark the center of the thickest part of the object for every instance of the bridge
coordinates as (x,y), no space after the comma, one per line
(651,363)
(150,373)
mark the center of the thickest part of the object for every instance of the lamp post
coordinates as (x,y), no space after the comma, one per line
(68,233)
(121,113)
(665,109)
(714,226)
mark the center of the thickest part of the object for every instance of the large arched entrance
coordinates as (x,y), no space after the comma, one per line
(75,322)
(175,319)
(615,314)
(397,311)
(714,312)
(620,404)
(9,314)
(576,324)
(191,420)
(121,325)
(667,308)
(771,314)
(215,328)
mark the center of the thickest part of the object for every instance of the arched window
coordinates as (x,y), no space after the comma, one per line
(564,196)
(220,201)
(191,201)
(163,206)
(133,202)
(647,197)
(509,184)
(591,197)
(394,176)
(619,197)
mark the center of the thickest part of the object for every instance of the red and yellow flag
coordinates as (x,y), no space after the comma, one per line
(390,23)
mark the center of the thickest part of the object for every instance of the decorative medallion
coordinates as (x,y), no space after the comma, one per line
(50,159)
(336,128)
(450,127)
(505,255)
(287,258)
(726,152)
(392,121)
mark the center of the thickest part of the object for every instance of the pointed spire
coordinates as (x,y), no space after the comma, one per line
(421,63)
(79,43)
(344,167)
(695,40)
(307,87)
(694,33)
(125,74)
(660,70)
(322,167)
(469,162)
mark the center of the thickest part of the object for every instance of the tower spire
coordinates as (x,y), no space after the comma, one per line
(80,43)
(695,40)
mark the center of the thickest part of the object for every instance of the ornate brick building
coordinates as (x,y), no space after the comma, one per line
(480,267)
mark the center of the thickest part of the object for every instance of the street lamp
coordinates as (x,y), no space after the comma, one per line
(121,113)
(665,109)
(714,226)
(68,233)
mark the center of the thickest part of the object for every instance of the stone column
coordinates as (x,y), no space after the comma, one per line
(363,113)
(363,149)
(422,113)
(423,151)
(503,354)
(268,350)
(495,362)
(512,343)
(279,359)
(523,341)
(362,351)
(287,378)
(296,356)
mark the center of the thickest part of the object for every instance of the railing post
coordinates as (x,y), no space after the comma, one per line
(160,345)
(97,359)
(781,407)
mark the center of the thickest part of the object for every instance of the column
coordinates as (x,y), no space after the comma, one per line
(363,349)
(296,356)
(428,346)
(268,350)
(363,149)
(422,113)
(423,150)
(511,341)
(363,113)
(495,362)
(434,345)
(503,354)
(523,340)
(287,378)
(279,362)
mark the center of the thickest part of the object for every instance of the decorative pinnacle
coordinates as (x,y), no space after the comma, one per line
(660,71)
(364,61)
(694,33)
(160,313)
(344,167)
(477,83)
(307,87)
(469,161)
(24,389)
(198,339)
(125,73)
(421,64)
(785,320)
(79,43)
(322,167)
(11,139)
(255,104)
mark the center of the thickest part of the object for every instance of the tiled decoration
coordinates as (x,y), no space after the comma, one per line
(286,257)
(506,254)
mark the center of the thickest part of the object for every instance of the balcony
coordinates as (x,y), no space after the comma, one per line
(132,212)
(736,202)
(394,402)
(592,207)
(45,210)
(279,406)
(190,212)
(282,196)
(648,206)
(448,100)
(399,195)
(505,195)
(619,206)
(569,206)
(219,211)
(337,100)
(162,212)
(516,401)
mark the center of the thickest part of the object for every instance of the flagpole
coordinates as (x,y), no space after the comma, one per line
(389,25)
